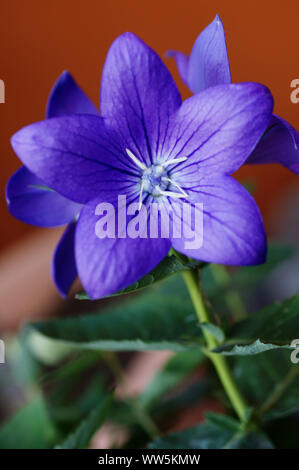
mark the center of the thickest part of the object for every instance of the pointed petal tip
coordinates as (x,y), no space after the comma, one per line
(19,138)
(127,35)
(209,64)
(66,97)
(218,20)
(15,139)
(63,78)
(216,23)
(65,74)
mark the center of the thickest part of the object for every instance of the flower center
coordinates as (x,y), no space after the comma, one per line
(155,179)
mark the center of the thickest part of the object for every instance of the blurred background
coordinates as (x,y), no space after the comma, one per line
(38,40)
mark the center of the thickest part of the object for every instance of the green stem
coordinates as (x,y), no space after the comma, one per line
(140,413)
(219,362)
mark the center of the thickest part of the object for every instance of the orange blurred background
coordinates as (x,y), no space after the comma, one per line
(38,40)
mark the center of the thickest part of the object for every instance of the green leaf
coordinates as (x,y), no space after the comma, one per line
(274,327)
(45,351)
(81,437)
(29,428)
(173,373)
(218,432)
(269,381)
(214,330)
(168,267)
(76,388)
(161,319)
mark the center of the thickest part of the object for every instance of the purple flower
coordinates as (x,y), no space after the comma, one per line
(208,66)
(32,201)
(152,148)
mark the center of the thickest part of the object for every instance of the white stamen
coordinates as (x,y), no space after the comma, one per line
(165,178)
(174,161)
(169,193)
(140,195)
(135,160)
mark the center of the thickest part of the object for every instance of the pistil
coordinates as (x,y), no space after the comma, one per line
(155,179)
